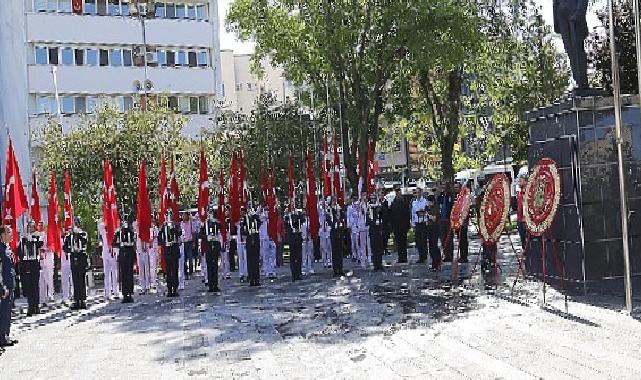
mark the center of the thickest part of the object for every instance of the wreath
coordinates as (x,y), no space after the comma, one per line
(495,208)
(460,209)
(542,197)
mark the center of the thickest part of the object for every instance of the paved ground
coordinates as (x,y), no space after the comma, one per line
(407,322)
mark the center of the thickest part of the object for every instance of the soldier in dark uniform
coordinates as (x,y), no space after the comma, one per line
(7,286)
(75,244)
(210,235)
(294,223)
(169,239)
(252,220)
(375,224)
(125,241)
(432,212)
(337,225)
(29,253)
(233,247)
(385,222)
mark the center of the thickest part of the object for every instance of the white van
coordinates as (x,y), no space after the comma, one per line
(470,176)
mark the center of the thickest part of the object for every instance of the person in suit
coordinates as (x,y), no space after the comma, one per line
(7,286)
(400,220)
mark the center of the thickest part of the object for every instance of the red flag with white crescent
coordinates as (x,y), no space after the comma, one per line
(272,212)
(243,181)
(174,193)
(371,179)
(312,202)
(163,195)
(68,205)
(143,211)
(203,188)
(14,198)
(53,218)
(234,197)
(221,206)
(109,203)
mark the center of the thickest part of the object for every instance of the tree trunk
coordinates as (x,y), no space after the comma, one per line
(452,108)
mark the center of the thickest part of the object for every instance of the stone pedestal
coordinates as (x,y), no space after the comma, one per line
(578,133)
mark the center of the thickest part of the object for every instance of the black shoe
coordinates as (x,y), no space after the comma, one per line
(75,306)
(402,261)
(210,290)
(464,260)
(447,259)
(83,305)
(216,290)
(420,261)
(6,343)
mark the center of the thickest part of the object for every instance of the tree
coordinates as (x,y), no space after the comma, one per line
(353,49)
(599,50)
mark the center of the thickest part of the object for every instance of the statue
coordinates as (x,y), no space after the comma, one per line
(569,22)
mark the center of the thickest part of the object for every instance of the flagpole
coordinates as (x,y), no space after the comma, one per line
(616,88)
(637,33)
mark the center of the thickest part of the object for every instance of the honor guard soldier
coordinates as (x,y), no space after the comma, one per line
(7,286)
(252,246)
(375,224)
(169,239)
(241,248)
(337,225)
(212,245)
(75,245)
(267,246)
(307,247)
(46,267)
(109,263)
(29,252)
(294,224)
(324,233)
(125,242)
(364,245)
(419,222)
(432,212)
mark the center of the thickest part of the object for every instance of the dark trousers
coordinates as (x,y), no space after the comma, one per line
(447,242)
(279,253)
(337,239)
(296,255)
(420,233)
(253,259)
(212,253)
(78,270)
(489,256)
(520,226)
(400,239)
(126,267)
(6,304)
(233,248)
(172,255)
(317,252)
(376,242)
(464,244)
(188,248)
(432,238)
(386,233)
(197,253)
(30,275)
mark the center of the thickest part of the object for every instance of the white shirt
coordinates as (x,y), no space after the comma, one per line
(417,204)
(352,215)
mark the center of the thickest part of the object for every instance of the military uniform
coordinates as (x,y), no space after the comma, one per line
(169,239)
(307,247)
(294,226)
(75,245)
(337,225)
(252,245)
(29,253)
(324,234)
(109,264)
(376,234)
(419,222)
(125,241)
(267,247)
(212,243)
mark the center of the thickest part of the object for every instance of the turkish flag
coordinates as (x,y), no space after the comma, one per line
(143,214)
(272,222)
(292,196)
(327,185)
(221,206)
(371,179)
(243,181)
(76,6)
(312,202)
(35,199)
(234,198)
(14,198)
(109,204)
(53,218)
(337,181)
(203,188)
(68,206)
(174,193)
(162,192)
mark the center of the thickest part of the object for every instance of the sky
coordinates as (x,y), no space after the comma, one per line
(229,41)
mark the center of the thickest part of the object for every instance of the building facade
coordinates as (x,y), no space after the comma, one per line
(69,56)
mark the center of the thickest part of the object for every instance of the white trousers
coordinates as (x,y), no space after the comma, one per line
(308,256)
(181,268)
(364,248)
(112,286)
(153,267)
(326,247)
(223,270)
(203,266)
(66,281)
(46,278)
(268,256)
(354,242)
(144,270)
(242,259)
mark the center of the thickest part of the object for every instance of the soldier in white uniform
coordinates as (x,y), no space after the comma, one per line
(144,267)
(109,264)
(225,270)
(66,282)
(419,223)
(241,243)
(352,225)
(324,233)
(364,248)
(46,268)
(267,247)
(308,246)
(153,256)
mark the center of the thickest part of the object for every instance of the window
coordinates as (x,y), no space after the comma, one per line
(128,103)
(81,104)
(170,10)
(201,12)
(181,58)
(172,103)
(53,55)
(171,58)
(202,58)
(191,11)
(239,86)
(124,8)
(90,7)
(40,5)
(223,89)
(44,105)
(80,57)
(203,105)
(92,104)
(249,86)
(113,7)
(67,105)
(41,55)
(191,58)
(102,7)
(160,10)
(162,58)
(67,56)
(180,11)
(92,57)
(193,104)
(104,57)
(116,57)
(64,6)
(52,5)
(183,104)
(127,58)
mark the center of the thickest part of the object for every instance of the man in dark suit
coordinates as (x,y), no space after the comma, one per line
(400,219)
(7,286)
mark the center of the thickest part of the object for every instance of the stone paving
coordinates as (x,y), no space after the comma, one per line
(405,323)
